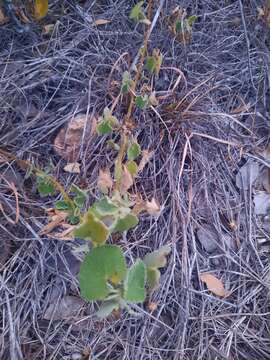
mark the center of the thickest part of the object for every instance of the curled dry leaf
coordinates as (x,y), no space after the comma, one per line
(152,306)
(152,207)
(214,285)
(105,181)
(126,180)
(139,205)
(146,156)
(48,29)
(68,141)
(73,168)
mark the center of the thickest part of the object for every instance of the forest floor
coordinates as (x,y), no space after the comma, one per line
(209,170)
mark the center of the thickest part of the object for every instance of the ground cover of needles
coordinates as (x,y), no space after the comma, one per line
(209,171)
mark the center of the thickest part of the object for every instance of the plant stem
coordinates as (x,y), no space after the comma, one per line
(28,166)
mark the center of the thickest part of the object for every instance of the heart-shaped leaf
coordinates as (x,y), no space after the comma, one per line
(157,259)
(104,207)
(45,186)
(125,223)
(81,196)
(142,101)
(107,122)
(154,261)
(153,276)
(92,229)
(103,265)
(127,82)
(106,308)
(62,205)
(135,283)
(137,13)
(132,167)
(133,151)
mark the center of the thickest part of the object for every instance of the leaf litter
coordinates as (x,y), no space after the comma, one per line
(75,81)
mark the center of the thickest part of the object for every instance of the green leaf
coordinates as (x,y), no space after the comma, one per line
(102,265)
(63,205)
(142,101)
(106,308)
(134,285)
(127,82)
(40,8)
(132,167)
(92,229)
(191,20)
(112,145)
(105,207)
(151,64)
(157,259)
(133,151)
(137,13)
(81,196)
(73,219)
(104,127)
(117,170)
(45,186)
(107,123)
(178,26)
(153,276)
(125,223)
(154,261)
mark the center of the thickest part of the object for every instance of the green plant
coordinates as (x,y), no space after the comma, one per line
(104,274)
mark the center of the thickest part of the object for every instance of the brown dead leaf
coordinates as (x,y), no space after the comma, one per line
(3,18)
(57,219)
(73,168)
(139,205)
(152,306)
(126,180)
(47,29)
(68,141)
(105,181)
(102,22)
(214,284)
(152,207)
(266,12)
(146,156)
